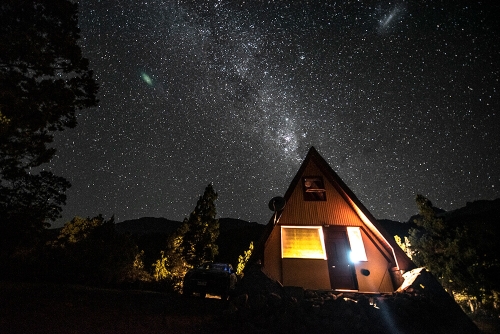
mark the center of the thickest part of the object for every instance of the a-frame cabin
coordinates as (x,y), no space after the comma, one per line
(325,239)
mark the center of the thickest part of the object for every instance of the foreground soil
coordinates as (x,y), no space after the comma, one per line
(52,308)
(49,308)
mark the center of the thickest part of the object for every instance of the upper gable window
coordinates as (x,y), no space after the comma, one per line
(314,188)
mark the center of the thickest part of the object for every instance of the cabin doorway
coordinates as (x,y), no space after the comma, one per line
(340,267)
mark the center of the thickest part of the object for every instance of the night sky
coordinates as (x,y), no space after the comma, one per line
(400,97)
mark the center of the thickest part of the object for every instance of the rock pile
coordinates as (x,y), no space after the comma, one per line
(264,306)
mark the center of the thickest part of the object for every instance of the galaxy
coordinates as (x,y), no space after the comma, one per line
(400,97)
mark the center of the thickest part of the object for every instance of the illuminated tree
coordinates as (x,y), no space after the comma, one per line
(192,244)
(201,230)
(78,229)
(171,267)
(243,260)
(404,245)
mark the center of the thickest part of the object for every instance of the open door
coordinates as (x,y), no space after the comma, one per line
(340,267)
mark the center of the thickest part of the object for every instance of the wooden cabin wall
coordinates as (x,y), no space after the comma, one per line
(335,211)
(379,279)
(307,273)
(271,265)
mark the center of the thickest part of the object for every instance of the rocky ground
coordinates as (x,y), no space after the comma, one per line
(257,306)
(261,305)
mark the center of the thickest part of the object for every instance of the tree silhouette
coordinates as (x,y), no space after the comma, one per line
(44,81)
(91,251)
(460,249)
(430,240)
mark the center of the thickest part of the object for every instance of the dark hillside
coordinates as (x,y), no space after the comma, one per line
(151,235)
(396,228)
(486,211)
(148,225)
(235,237)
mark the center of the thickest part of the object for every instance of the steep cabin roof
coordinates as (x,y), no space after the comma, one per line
(402,260)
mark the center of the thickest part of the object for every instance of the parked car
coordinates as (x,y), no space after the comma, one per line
(210,278)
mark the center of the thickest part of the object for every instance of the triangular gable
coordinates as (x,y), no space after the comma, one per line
(402,261)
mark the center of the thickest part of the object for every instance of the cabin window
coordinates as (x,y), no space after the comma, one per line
(358,252)
(302,242)
(314,188)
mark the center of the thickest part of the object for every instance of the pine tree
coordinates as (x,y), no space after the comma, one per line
(461,251)
(430,242)
(201,230)
(192,244)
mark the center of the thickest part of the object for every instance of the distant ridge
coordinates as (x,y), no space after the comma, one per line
(487,211)
(396,228)
(146,225)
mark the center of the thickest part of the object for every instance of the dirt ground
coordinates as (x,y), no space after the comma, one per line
(49,308)
(52,308)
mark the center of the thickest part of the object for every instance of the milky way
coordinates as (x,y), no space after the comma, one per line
(399,97)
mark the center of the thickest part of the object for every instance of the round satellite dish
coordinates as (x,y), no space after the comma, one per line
(277,203)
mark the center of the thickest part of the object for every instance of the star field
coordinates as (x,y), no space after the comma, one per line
(399,97)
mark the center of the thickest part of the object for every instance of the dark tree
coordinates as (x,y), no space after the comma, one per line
(430,240)
(91,251)
(25,205)
(44,81)
(460,249)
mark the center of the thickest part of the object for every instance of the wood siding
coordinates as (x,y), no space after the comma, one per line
(307,273)
(272,265)
(378,265)
(335,211)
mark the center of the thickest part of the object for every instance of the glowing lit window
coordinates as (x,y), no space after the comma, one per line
(314,189)
(302,242)
(358,252)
